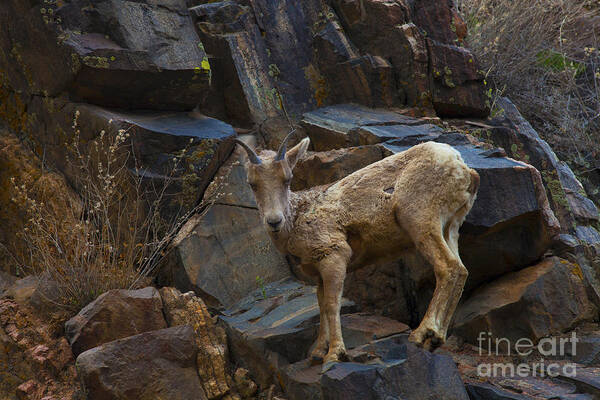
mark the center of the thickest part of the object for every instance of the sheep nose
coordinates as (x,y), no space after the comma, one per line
(275,222)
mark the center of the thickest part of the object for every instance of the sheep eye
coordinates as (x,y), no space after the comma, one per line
(252,186)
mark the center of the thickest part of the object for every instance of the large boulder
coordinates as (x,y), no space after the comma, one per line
(225,253)
(547,298)
(113,315)
(157,364)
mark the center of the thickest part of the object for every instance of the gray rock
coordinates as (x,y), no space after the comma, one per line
(396,369)
(522,142)
(275,326)
(94,51)
(114,315)
(329,127)
(151,365)
(586,380)
(587,351)
(223,254)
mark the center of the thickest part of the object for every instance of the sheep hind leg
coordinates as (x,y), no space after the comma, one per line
(450,276)
(319,348)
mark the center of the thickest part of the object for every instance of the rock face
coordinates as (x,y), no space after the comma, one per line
(18,162)
(224,254)
(535,302)
(144,366)
(578,215)
(211,342)
(94,50)
(339,56)
(113,315)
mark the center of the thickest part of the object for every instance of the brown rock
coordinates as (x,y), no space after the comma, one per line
(545,299)
(113,315)
(18,162)
(211,341)
(151,365)
(244,385)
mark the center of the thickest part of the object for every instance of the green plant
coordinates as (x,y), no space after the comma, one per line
(261,284)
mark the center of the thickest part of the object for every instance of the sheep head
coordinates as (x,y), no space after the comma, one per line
(270,176)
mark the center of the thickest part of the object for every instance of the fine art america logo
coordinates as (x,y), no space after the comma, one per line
(548,347)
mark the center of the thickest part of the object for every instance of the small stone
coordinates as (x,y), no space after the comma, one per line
(244,385)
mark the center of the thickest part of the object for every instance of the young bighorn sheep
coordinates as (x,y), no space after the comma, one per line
(416,199)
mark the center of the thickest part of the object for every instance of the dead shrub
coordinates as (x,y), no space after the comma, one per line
(113,234)
(543,55)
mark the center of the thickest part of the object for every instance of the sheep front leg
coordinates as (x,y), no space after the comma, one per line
(333,272)
(319,348)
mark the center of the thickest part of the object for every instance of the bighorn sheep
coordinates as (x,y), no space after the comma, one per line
(416,199)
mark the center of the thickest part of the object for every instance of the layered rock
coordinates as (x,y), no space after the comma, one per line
(272,330)
(211,342)
(104,58)
(94,50)
(114,315)
(375,53)
(538,301)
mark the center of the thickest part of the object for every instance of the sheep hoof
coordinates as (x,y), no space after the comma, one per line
(426,338)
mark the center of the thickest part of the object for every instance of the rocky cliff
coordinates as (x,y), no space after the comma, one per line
(363,79)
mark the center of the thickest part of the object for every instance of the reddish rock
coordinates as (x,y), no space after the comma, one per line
(113,315)
(29,390)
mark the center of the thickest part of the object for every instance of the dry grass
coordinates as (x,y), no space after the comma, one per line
(112,235)
(543,55)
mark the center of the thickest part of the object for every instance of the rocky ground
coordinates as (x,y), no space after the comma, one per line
(228,317)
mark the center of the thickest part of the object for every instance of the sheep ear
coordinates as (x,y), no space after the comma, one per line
(297,152)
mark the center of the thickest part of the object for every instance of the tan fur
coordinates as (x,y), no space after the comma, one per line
(416,199)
